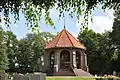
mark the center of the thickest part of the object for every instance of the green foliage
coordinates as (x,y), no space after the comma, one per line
(100,50)
(3,54)
(90,39)
(115,35)
(12,49)
(30,52)
(24,55)
(116,60)
(29,56)
(33,9)
(107,78)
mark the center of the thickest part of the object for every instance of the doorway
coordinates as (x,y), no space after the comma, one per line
(65,60)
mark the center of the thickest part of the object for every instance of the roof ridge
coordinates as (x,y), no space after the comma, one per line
(59,38)
(69,37)
(74,37)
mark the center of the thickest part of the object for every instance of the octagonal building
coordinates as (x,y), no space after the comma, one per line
(65,56)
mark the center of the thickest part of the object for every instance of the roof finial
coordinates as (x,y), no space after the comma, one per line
(64,20)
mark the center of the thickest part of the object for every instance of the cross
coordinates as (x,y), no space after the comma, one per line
(64,21)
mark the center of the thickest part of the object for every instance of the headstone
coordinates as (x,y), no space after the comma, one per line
(20,77)
(26,77)
(114,73)
(30,75)
(37,76)
(3,76)
(17,76)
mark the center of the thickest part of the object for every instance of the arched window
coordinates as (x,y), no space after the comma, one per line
(78,59)
(65,59)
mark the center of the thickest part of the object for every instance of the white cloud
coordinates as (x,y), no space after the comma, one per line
(101,23)
(109,13)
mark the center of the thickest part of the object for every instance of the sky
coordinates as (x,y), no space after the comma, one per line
(102,20)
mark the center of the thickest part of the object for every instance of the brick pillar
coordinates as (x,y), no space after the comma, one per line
(57,64)
(86,63)
(58,59)
(82,61)
(74,59)
(71,58)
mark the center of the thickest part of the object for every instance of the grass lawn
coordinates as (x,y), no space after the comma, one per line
(67,78)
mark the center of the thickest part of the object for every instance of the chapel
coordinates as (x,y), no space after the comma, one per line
(65,56)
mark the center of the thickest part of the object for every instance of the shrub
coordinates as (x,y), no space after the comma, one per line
(107,78)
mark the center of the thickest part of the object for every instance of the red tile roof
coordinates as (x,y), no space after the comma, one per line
(64,39)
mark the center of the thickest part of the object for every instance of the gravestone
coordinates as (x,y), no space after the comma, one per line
(20,77)
(17,76)
(37,76)
(3,76)
(30,76)
(26,77)
(114,73)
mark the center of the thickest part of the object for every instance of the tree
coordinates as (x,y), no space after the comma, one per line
(30,52)
(99,50)
(115,35)
(3,54)
(107,50)
(115,62)
(33,9)
(12,50)
(90,39)
(25,55)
